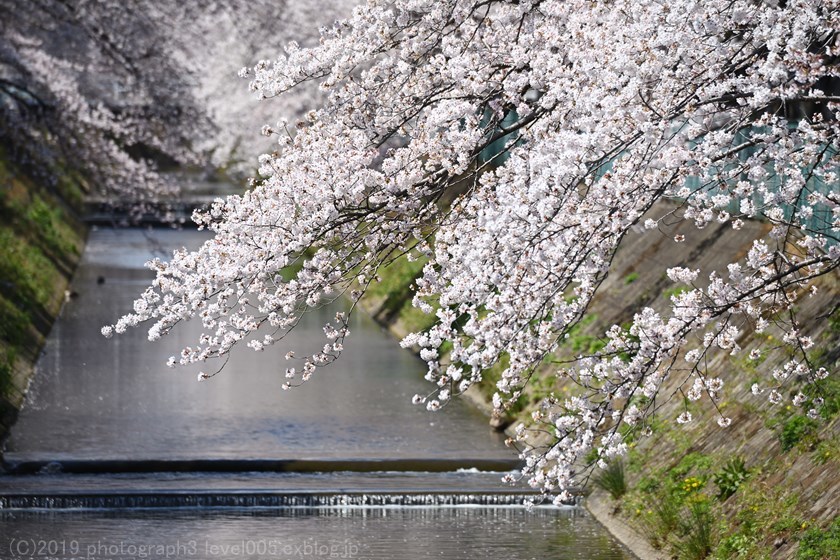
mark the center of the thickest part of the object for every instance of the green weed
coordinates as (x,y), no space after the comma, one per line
(825,451)
(612,479)
(820,544)
(795,430)
(630,278)
(730,477)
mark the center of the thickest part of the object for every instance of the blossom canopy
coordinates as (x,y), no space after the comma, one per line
(512,146)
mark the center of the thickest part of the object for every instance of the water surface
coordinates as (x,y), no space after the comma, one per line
(94,398)
(99,404)
(467,533)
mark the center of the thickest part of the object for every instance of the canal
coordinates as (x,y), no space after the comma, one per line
(117,456)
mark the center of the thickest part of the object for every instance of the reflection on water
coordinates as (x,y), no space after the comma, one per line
(356,533)
(95,399)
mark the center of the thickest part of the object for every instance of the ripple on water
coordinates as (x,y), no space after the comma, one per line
(399,533)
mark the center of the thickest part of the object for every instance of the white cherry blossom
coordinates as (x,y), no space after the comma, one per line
(596,111)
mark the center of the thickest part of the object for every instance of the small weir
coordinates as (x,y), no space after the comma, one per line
(257,465)
(195,194)
(117,456)
(265,499)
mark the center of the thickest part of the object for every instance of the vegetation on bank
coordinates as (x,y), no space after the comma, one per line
(696,502)
(41,240)
(765,487)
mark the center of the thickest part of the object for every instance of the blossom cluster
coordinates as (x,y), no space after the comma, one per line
(728,107)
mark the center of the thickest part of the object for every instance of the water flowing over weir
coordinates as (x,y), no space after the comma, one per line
(115,452)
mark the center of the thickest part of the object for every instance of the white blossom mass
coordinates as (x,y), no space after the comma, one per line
(512,146)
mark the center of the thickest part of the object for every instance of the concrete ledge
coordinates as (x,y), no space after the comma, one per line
(600,506)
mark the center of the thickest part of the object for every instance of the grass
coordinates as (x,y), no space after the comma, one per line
(583,343)
(612,479)
(675,291)
(675,512)
(798,429)
(48,220)
(697,528)
(659,519)
(764,516)
(834,321)
(395,287)
(27,276)
(820,544)
(39,242)
(675,509)
(7,364)
(393,293)
(413,319)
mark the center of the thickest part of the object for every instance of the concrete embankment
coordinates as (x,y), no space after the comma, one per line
(765,487)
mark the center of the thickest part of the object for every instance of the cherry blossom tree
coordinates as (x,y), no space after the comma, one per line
(120,91)
(88,85)
(602,109)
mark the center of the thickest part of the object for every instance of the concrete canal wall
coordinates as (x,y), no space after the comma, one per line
(786,500)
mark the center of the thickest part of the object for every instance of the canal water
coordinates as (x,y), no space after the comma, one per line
(117,456)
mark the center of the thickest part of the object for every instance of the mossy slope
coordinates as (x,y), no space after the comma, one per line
(41,240)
